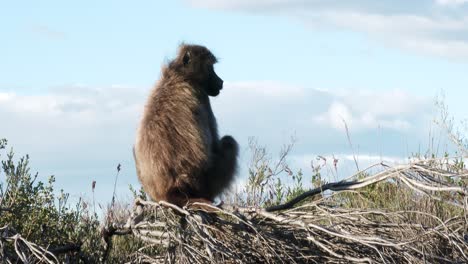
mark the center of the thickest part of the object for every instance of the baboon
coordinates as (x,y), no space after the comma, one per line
(178,154)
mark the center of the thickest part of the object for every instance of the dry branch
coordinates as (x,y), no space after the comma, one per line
(315,232)
(21,250)
(409,174)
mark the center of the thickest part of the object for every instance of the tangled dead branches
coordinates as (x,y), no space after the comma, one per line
(14,248)
(316,232)
(425,220)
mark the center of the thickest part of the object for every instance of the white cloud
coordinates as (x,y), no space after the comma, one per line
(366,110)
(360,109)
(4,97)
(268,110)
(423,27)
(424,34)
(451,2)
(268,89)
(368,158)
(336,115)
(81,133)
(77,133)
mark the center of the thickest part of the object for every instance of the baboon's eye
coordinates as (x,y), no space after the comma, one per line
(186,58)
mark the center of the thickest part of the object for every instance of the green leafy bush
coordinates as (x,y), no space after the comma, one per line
(32,209)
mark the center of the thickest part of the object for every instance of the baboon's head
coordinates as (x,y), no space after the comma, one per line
(195,64)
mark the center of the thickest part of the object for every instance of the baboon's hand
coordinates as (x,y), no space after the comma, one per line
(229,143)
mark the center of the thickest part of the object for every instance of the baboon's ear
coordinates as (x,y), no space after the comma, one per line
(186,58)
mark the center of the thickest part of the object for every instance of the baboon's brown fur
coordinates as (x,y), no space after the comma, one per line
(178,154)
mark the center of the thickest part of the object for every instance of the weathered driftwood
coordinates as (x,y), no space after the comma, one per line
(315,232)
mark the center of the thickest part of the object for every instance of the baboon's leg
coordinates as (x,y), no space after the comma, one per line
(181,199)
(224,166)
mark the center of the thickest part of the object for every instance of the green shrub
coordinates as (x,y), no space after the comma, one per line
(32,209)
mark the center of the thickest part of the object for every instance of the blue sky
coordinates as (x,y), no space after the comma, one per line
(74,77)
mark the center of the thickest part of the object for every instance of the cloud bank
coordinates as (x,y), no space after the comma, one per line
(81,133)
